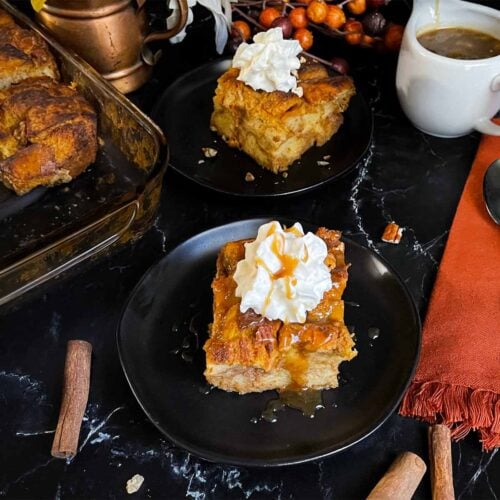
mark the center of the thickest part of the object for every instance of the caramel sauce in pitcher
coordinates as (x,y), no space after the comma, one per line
(460,43)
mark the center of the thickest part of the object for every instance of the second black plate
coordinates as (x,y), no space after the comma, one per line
(184,111)
(164,327)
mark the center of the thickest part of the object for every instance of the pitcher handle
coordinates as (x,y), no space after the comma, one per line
(165,35)
(485,125)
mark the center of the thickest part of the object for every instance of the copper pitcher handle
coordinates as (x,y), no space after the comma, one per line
(165,35)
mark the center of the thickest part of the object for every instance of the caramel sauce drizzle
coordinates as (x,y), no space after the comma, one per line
(293,341)
(297,365)
(288,265)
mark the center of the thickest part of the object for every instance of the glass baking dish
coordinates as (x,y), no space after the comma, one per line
(51,230)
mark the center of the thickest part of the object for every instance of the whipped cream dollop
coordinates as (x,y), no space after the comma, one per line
(270,62)
(283,274)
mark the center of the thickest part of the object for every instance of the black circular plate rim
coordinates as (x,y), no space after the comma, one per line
(296,459)
(199,69)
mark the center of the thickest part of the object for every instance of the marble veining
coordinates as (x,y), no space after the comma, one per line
(482,469)
(30,386)
(94,424)
(25,475)
(161,234)
(354,196)
(36,433)
(55,326)
(326,489)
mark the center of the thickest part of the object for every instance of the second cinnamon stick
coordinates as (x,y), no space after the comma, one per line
(441,464)
(74,400)
(401,480)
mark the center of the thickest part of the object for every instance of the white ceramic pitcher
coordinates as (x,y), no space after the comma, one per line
(442,96)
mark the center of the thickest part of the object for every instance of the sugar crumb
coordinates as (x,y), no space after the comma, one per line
(134,484)
(209,152)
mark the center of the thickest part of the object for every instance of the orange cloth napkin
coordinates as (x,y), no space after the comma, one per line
(458,377)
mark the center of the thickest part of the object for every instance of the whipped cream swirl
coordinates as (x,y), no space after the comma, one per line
(269,63)
(283,274)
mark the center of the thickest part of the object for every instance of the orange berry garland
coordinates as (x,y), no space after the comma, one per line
(335,17)
(367,40)
(317,11)
(354,30)
(298,18)
(368,27)
(268,15)
(393,37)
(304,37)
(243,29)
(356,7)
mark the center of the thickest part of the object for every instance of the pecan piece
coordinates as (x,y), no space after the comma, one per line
(265,333)
(392,233)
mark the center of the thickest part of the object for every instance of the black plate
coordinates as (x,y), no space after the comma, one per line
(171,307)
(184,112)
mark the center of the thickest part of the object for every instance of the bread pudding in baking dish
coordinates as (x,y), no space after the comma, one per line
(48,131)
(23,54)
(276,127)
(48,134)
(249,351)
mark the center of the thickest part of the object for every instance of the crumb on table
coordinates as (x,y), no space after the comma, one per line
(134,483)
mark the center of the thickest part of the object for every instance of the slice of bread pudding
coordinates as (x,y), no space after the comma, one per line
(247,352)
(276,128)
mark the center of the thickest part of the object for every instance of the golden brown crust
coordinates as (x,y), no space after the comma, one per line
(47,130)
(6,19)
(48,134)
(276,128)
(23,54)
(250,341)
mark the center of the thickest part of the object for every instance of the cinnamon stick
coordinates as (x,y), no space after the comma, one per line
(441,464)
(401,480)
(74,400)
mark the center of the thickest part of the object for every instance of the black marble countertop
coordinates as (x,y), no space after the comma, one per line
(408,177)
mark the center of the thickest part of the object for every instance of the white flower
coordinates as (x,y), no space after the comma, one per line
(221,9)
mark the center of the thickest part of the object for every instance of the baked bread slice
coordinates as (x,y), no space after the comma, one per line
(246,352)
(276,128)
(48,134)
(23,54)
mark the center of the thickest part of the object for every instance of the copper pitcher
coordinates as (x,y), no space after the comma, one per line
(111,35)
